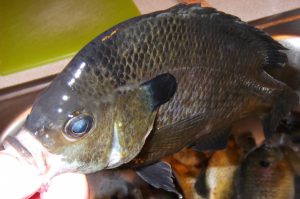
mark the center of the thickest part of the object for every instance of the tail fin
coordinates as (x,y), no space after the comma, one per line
(290,75)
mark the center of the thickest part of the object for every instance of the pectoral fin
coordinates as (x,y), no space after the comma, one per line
(160,176)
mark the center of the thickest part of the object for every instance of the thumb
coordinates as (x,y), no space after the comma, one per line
(67,185)
(18,180)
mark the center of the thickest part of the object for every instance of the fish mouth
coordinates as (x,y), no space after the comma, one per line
(27,149)
(19,148)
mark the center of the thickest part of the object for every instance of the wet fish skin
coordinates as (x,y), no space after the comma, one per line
(217,60)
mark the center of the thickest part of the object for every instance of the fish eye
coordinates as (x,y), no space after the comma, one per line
(78,125)
(264,163)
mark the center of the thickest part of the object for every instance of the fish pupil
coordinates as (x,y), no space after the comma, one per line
(264,163)
(79,125)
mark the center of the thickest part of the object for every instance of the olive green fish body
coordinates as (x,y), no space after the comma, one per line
(107,90)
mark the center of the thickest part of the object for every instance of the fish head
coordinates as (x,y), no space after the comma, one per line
(87,133)
(76,128)
(267,163)
(266,172)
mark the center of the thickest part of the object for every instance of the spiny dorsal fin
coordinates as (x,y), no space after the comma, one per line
(234,25)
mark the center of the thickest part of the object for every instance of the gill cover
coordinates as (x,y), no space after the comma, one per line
(138,110)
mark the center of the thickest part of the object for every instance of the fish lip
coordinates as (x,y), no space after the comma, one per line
(24,147)
(16,144)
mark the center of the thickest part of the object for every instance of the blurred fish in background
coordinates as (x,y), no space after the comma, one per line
(268,171)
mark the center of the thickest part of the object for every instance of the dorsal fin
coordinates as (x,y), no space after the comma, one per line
(234,25)
(268,47)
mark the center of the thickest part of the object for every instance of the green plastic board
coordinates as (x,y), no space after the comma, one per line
(37,32)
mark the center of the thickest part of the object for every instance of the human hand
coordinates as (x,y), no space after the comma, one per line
(20,180)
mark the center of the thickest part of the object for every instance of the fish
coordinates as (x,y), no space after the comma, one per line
(151,86)
(268,171)
(244,170)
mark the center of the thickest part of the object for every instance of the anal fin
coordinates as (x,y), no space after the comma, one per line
(159,175)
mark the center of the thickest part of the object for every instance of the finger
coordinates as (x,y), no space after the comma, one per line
(68,185)
(18,180)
